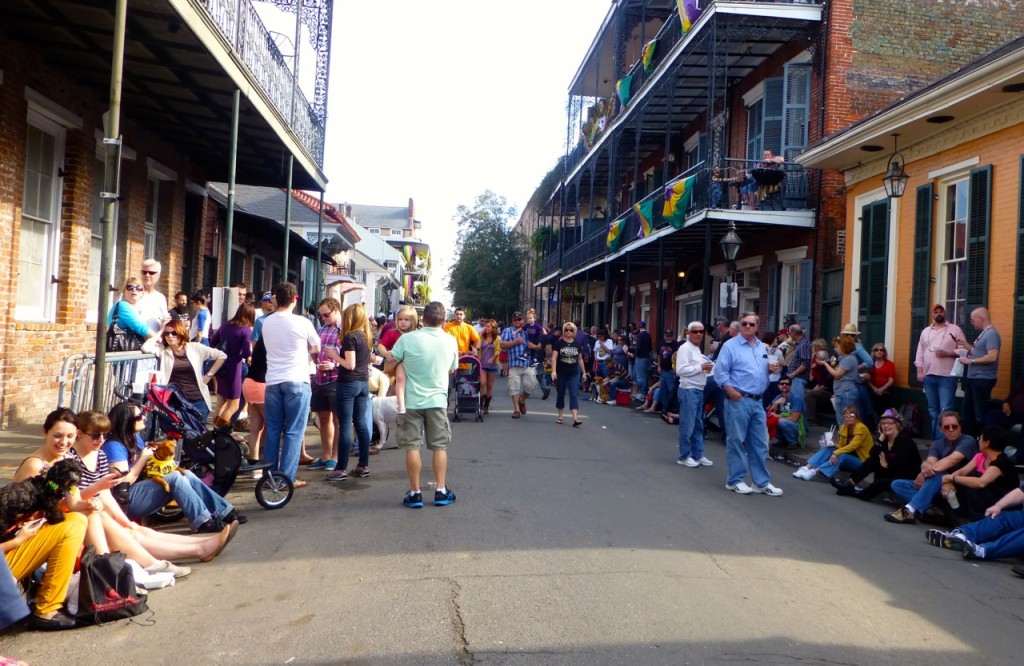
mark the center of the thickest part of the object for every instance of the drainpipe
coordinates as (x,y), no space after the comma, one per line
(319,246)
(111,169)
(229,224)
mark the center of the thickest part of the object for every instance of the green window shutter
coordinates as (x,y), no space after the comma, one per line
(921,290)
(979,220)
(796,109)
(874,268)
(774,101)
(1017,364)
(806,296)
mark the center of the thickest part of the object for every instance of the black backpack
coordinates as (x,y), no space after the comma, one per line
(106,589)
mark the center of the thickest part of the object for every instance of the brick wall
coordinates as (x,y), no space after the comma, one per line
(31,352)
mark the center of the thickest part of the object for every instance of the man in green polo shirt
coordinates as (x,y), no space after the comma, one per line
(428,356)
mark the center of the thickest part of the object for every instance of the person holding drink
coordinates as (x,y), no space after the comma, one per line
(742,370)
(325,384)
(693,368)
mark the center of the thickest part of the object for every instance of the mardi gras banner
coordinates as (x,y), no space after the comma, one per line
(645,213)
(677,200)
(689,12)
(615,234)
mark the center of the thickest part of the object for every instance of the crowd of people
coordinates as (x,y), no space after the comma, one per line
(357,374)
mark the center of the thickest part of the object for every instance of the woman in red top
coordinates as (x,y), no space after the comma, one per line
(883,375)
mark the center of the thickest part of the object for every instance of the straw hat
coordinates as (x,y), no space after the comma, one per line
(851,329)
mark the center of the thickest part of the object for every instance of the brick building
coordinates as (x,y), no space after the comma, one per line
(954,237)
(691,97)
(184,60)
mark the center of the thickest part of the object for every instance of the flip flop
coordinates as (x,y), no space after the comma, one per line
(577,424)
(300,483)
(559,421)
(515,415)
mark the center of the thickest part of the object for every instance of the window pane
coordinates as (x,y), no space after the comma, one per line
(32,262)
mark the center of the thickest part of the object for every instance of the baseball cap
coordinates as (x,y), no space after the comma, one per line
(266,297)
(517,315)
(642,324)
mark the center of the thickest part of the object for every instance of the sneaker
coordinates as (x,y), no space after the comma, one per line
(770,490)
(413,500)
(947,540)
(337,475)
(543,396)
(807,473)
(443,498)
(741,488)
(844,487)
(214,524)
(901,516)
(319,463)
(705,462)
(164,566)
(972,551)
(361,472)
(688,461)
(330,465)
(800,472)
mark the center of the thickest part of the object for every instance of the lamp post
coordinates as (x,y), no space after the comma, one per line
(895,179)
(730,244)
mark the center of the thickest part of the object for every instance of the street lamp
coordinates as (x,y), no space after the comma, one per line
(895,179)
(730,244)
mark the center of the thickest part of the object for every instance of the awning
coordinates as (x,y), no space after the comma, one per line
(272,232)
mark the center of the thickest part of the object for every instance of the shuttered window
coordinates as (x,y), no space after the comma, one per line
(874,267)
(922,271)
(978,225)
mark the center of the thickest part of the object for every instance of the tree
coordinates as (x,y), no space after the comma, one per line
(487,274)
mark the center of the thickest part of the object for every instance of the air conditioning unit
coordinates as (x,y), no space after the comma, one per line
(749,279)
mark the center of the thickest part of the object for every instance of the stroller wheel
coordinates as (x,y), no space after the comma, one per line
(168,513)
(274,490)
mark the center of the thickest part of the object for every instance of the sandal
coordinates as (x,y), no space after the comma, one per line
(300,483)
(559,420)
(515,415)
(577,424)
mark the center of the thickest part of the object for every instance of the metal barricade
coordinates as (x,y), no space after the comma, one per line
(120,371)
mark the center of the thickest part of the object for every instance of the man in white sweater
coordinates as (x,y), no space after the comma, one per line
(692,367)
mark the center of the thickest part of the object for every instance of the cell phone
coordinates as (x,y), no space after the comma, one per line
(120,472)
(32,524)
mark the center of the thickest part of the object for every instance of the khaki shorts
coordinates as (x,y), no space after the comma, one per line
(419,426)
(522,380)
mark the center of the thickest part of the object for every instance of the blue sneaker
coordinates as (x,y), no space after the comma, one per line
(330,465)
(317,464)
(413,500)
(443,497)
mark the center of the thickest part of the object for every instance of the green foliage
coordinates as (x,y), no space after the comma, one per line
(486,277)
(543,240)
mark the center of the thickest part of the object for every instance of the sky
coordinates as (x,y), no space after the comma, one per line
(440,101)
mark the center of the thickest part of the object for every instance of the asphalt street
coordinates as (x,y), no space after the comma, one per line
(566,546)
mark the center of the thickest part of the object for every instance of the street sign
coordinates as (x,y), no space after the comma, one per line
(727,295)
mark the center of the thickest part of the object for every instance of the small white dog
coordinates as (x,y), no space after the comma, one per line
(385,415)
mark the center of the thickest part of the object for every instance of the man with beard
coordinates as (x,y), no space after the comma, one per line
(936,351)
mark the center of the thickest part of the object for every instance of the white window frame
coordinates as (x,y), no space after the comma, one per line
(46,309)
(96,244)
(746,297)
(374,230)
(683,301)
(157,173)
(942,265)
(645,301)
(396,235)
(789,279)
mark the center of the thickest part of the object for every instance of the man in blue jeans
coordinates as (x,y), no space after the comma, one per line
(742,369)
(936,351)
(999,534)
(642,361)
(946,454)
(692,367)
(982,370)
(291,342)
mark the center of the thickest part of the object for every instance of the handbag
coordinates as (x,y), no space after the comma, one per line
(106,589)
(122,339)
(958,369)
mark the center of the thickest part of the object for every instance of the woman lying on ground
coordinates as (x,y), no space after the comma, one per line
(852,449)
(205,510)
(895,456)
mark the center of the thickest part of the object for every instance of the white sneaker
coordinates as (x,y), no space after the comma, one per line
(800,472)
(740,488)
(770,490)
(688,461)
(705,462)
(810,474)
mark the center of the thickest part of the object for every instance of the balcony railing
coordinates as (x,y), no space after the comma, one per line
(720,193)
(244,30)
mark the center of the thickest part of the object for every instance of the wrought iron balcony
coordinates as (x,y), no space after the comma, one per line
(241,26)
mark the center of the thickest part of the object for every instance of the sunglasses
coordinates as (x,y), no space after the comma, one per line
(748,324)
(96,436)
(878,350)
(950,427)
(170,333)
(784,384)
(150,272)
(134,287)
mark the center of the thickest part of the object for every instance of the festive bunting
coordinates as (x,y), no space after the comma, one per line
(622,87)
(615,234)
(689,12)
(677,200)
(645,212)
(648,58)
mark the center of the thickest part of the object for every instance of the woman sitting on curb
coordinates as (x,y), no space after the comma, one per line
(895,456)
(853,449)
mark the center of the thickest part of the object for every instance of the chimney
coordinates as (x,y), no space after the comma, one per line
(412,209)
(348,211)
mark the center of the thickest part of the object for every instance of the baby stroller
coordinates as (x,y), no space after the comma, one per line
(467,388)
(212,455)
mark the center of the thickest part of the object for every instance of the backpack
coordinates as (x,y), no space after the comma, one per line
(106,589)
(911,417)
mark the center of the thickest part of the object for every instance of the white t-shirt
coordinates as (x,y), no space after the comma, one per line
(288,338)
(152,309)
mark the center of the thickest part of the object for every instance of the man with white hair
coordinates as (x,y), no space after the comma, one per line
(152,305)
(692,367)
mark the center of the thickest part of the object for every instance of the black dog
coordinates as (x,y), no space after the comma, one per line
(40,493)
